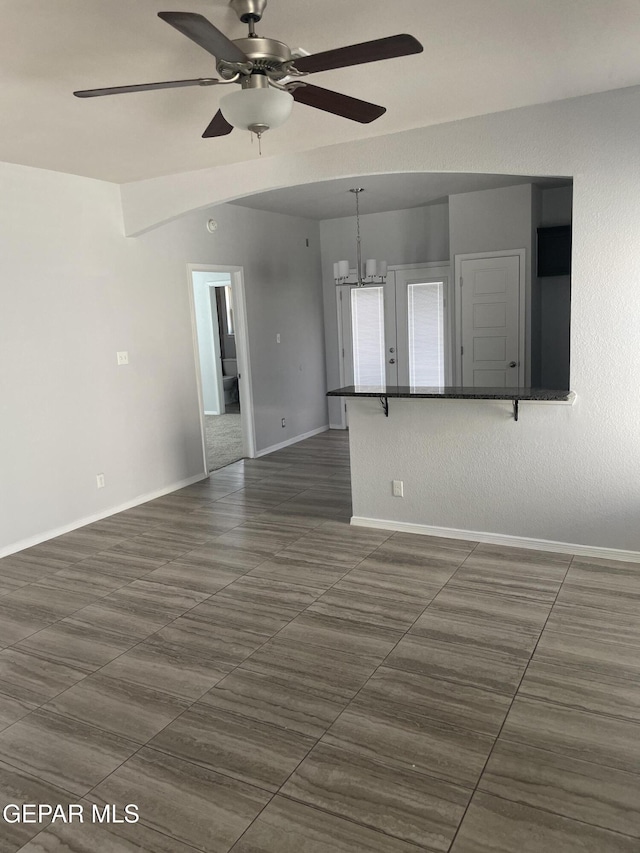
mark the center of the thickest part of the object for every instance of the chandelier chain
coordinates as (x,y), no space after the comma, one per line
(373,270)
(357,191)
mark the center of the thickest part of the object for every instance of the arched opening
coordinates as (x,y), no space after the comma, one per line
(510,327)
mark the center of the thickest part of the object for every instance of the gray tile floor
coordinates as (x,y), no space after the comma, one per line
(258,676)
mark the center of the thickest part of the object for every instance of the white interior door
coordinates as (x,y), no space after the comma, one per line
(206,320)
(491,301)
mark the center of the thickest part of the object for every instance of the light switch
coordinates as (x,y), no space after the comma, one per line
(278,338)
(123,357)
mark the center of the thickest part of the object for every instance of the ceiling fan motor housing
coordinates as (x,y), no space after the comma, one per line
(249,10)
(267,56)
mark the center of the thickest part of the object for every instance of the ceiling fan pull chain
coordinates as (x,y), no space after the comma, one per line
(257,136)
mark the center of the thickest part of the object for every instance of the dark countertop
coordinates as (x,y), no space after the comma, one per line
(451,393)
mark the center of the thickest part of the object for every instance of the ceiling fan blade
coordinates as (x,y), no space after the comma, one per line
(334,102)
(145,87)
(357,54)
(203,33)
(218,126)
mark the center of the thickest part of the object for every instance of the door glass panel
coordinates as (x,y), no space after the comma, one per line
(426,333)
(367,332)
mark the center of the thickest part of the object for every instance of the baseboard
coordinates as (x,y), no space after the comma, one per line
(338,426)
(89,519)
(290,441)
(498,539)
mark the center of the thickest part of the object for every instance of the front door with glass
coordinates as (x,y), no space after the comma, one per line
(396,333)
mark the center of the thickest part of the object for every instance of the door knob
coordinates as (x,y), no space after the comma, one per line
(513,364)
(392,361)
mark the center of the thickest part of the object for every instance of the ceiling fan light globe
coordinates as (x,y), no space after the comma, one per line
(248,108)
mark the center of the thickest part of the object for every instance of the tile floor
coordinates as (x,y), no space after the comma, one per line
(258,676)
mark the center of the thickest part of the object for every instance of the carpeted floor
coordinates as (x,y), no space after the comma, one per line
(224,440)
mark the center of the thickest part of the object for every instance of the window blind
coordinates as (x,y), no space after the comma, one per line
(367,318)
(426,334)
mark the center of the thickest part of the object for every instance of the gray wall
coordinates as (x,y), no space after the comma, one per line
(561,473)
(556,206)
(555,299)
(537,196)
(410,236)
(76,291)
(283,291)
(284,296)
(492,221)
(555,344)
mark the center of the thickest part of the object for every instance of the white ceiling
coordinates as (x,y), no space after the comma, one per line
(399,191)
(480,56)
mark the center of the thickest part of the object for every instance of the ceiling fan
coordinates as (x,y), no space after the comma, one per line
(269,73)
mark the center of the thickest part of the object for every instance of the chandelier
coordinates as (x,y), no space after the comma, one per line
(371,271)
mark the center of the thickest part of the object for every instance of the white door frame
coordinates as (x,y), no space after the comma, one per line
(522,343)
(247,420)
(209,340)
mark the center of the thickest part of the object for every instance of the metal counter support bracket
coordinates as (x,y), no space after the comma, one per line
(384,402)
(515,409)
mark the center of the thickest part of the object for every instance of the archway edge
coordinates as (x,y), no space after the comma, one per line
(501,143)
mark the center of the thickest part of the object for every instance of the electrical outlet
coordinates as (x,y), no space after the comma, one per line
(123,357)
(100,480)
(398,489)
(284,422)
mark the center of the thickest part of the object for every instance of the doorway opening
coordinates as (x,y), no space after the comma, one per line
(222,360)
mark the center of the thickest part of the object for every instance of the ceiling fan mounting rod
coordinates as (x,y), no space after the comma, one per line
(257,80)
(356,191)
(249,11)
